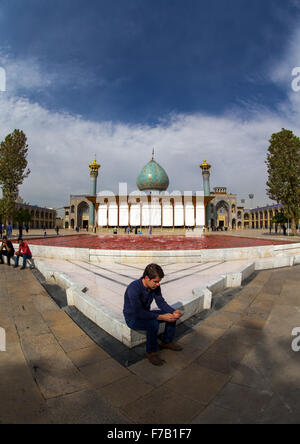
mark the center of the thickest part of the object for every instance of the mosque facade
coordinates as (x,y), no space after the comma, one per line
(153,206)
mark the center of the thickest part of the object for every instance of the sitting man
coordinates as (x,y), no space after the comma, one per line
(7,250)
(25,252)
(138,299)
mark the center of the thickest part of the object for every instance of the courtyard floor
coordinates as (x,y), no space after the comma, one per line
(237,365)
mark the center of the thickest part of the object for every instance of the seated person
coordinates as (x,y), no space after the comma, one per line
(7,250)
(24,251)
(138,316)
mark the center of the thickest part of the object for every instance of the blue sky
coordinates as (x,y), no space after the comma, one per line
(108,74)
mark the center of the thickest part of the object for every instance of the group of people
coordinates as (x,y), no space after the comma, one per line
(7,249)
(6,230)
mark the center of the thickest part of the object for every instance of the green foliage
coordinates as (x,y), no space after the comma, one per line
(22,216)
(13,170)
(283,163)
(280,219)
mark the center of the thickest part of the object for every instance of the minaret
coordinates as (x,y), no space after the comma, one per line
(94,167)
(206,185)
(206,176)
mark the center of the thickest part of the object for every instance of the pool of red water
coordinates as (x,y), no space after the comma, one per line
(132,242)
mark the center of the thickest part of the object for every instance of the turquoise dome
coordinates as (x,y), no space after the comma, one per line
(153,178)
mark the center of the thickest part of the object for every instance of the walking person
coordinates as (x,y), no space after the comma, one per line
(138,315)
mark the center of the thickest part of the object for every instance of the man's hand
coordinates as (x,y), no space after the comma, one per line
(168,317)
(177,314)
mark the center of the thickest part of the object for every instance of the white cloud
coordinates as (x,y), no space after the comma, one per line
(61,146)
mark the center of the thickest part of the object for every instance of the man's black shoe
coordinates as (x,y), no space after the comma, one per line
(154,359)
(171,346)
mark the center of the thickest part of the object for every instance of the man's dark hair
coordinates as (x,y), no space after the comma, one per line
(153,271)
(4,237)
(20,239)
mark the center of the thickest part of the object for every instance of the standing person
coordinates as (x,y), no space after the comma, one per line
(7,249)
(57,230)
(23,251)
(20,230)
(9,230)
(138,315)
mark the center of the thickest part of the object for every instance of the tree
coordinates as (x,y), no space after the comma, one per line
(283,162)
(22,216)
(13,171)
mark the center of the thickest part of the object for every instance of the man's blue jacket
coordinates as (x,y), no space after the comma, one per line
(138,302)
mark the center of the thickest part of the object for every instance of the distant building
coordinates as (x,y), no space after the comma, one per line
(41,217)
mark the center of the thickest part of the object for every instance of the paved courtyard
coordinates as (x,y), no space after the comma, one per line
(237,365)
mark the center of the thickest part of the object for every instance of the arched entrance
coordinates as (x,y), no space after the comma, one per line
(83,211)
(222,212)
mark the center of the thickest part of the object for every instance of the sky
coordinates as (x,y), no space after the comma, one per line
(194,79)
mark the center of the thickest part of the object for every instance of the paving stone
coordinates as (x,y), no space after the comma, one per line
(180,360)
(198,383)
(222,319)
(248,322)
(273,287)
(223,356)
(43,303)
(88,355)
(78,342)
(154,375)
(244,401)
(69,330)
(5,320)
(104,372)
(125,391)
(12,336)
(84,407)
(163,406)
(242,335)
(25,309)
(195,342)
(56,317)
(237,306)
(51,368)
(22,404)
(31,325)
(13,355)
(217,415)
(207,333)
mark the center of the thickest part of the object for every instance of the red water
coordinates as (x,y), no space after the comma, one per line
(137,242)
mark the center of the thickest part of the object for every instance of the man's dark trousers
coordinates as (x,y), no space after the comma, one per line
(151,327)
(8,254)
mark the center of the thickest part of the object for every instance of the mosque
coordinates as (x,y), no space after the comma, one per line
(152,205)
